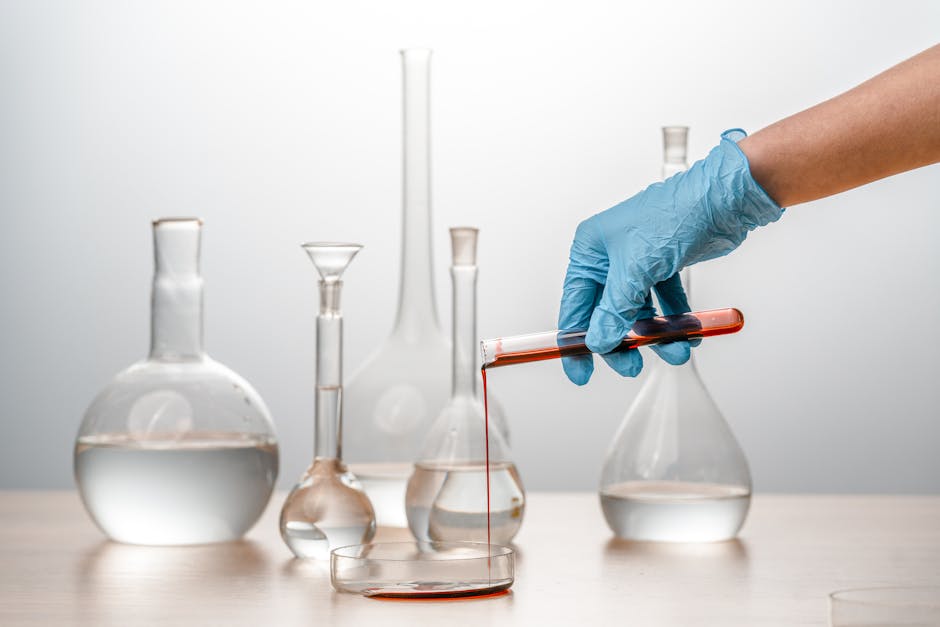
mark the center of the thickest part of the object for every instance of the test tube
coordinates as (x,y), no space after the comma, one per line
(520,349)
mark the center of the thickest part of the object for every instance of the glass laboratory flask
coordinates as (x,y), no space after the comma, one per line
(675,472)
(177,449)
(397,392)
(328,508)
(452,495)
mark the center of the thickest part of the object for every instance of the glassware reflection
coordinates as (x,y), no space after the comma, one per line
(120,584)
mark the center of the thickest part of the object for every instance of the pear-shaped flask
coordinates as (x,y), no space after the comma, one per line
(398,391)
(453,495)
(177,449)
(675,472)
(328,508)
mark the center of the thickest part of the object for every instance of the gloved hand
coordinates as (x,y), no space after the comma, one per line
(619,255)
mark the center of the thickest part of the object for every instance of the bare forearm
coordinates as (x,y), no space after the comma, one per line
(886,125)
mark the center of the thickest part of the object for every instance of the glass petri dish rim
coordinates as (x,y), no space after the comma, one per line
(871,596)
(422,569)
(487,551)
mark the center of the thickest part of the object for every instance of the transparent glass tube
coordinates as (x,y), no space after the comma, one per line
(518,349)
(417,308)
(176,301)
(327,508)
(464,277)
(675,142)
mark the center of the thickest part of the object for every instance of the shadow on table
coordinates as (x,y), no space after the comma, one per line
(730,551)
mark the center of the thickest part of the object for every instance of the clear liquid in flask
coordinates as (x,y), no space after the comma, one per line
(385,484)
(167,489)
(327,509)
(675,511)
(448,502)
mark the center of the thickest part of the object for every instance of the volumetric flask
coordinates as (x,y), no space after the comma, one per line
(675,472)
(327,508)
(464,487)
(428,570)
(177,448)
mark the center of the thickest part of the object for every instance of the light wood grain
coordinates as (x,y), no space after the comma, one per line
(56,568)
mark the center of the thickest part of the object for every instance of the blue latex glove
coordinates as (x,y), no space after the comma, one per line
(618,256)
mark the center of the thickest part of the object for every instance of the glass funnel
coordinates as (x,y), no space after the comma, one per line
(397,392)
(327,508)
(177,448)
(453,494)
(675,472)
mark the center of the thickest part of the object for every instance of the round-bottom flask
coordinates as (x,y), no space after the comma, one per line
(450,496)
(177,449)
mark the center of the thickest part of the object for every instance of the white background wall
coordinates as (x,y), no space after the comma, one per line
(279,122)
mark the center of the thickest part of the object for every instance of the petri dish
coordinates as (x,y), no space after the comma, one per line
(896,606)
(422,570)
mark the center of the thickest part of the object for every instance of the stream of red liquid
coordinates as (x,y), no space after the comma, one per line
(486,430)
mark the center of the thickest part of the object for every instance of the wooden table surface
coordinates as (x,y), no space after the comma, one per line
(56,568)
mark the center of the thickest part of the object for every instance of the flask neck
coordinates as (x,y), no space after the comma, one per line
(417,312)
(675,160)
(675,148)
(177,297)
(464,331)
(328,419)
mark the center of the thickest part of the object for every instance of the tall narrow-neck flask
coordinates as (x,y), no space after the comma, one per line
(177,448)
(328,508)
(399,389)
(449,496)
(675,472)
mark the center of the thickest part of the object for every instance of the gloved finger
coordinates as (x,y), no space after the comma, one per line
(674,353)
(619,306)
(578,299)
(579,368)
(673,300)
(577,304)
(627,363)
(648,310)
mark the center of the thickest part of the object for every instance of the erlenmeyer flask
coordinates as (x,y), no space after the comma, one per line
(177,449)
(675,472)
(449,496)
(327,508)
(397,392)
